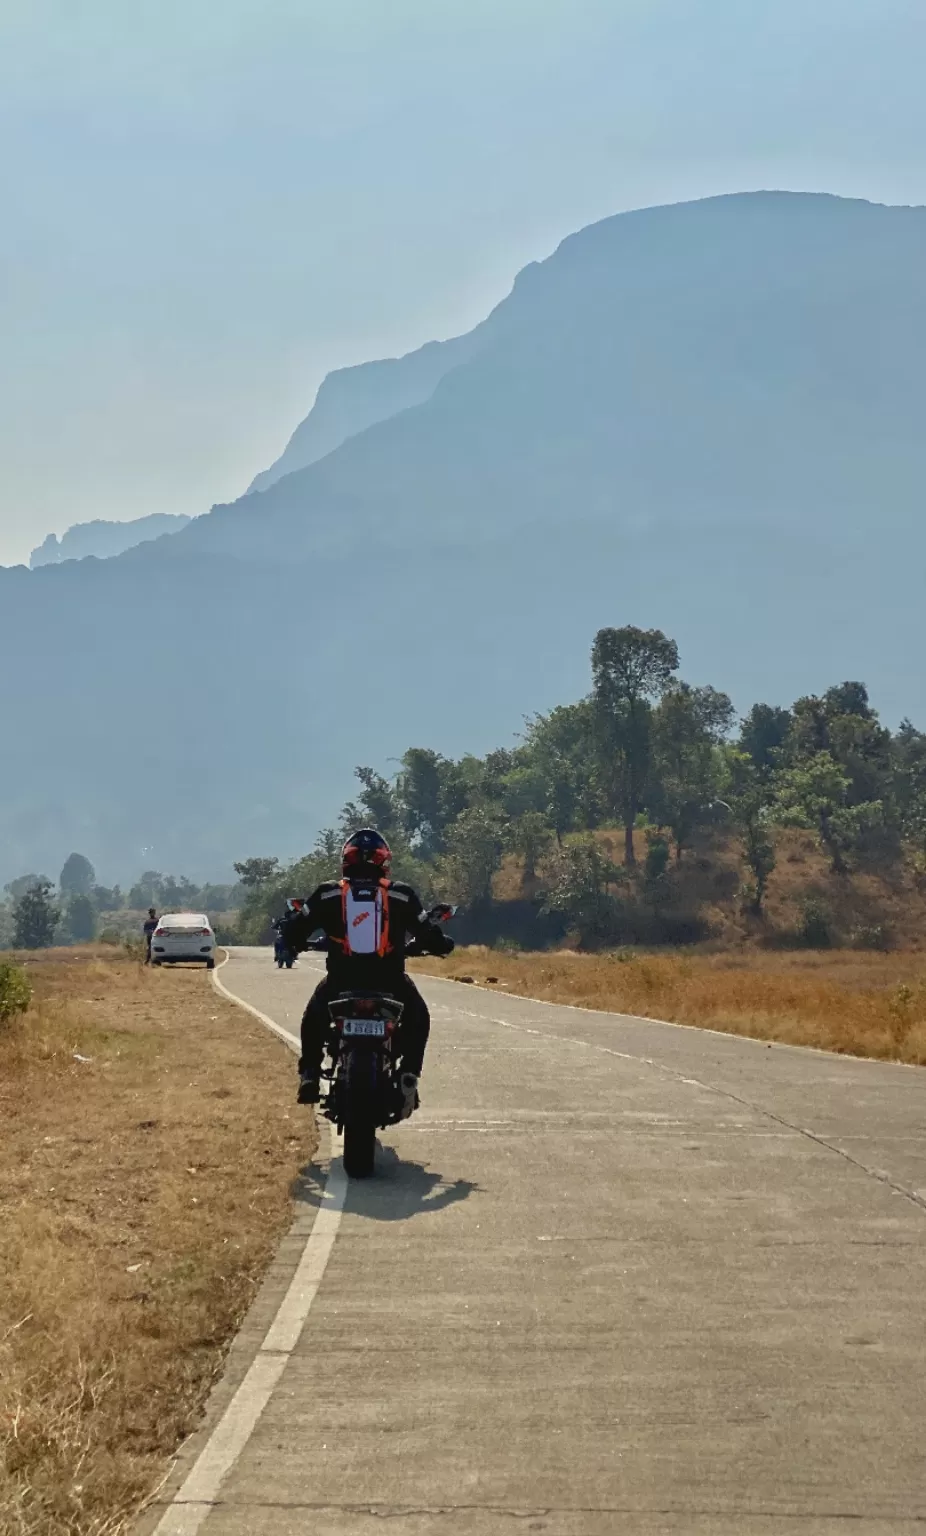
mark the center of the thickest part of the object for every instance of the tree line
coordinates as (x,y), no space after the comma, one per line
(37,913)
(648,754)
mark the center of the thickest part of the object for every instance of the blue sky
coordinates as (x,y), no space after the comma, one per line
(208,206)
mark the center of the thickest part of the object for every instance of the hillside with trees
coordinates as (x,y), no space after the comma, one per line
(647,813)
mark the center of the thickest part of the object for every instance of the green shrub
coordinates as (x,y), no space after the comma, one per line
(814,927)
(15,991)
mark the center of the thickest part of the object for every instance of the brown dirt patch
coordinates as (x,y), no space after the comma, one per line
(143,1190)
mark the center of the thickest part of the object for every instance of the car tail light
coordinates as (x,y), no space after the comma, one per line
(159,933)
(204,932)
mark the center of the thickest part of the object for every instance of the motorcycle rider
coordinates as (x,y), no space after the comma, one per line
(367,918)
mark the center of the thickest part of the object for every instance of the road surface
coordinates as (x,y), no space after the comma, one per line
(614,1277)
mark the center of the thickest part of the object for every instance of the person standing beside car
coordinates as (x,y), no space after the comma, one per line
(148,927)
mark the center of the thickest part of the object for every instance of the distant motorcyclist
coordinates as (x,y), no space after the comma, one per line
(367,919)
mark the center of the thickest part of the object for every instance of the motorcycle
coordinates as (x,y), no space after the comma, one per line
(364,1093)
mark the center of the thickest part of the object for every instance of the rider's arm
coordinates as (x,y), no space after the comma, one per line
(428,937)
(296,928)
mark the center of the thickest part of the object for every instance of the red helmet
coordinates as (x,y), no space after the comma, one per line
(364,850)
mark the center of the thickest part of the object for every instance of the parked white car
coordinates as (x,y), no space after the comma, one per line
(183,936)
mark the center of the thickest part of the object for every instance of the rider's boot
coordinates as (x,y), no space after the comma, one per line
(309,1089)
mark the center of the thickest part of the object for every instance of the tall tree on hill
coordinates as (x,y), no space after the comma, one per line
(630,669)
(688,726)
(762,733)
(78,876)
(748,791)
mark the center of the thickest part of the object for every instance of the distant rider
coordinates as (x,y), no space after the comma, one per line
(366,918)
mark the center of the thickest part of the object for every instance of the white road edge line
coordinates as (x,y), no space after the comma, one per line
(197,1494)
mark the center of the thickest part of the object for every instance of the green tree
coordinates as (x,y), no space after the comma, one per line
(688,726)
(147,891)
(630,668)
(78,876)
(376,805)
(762,734)
(256,872)
(431,794)
(815,792)
(529,836)
(179,895)
(657,886)
(561,747)
(107,899)
(23,883)
(748,792)
(35,917)
(580,887)
(473,854)
(842,723)
(908,787)
(80,919)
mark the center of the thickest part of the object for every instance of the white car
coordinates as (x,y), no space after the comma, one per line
(183,936)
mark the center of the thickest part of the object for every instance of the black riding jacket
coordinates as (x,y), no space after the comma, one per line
(388,913)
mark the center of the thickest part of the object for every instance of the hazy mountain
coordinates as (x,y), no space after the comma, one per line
(706,417)
(104,539)
(351,399)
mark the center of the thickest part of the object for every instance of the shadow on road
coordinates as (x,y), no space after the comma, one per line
(397,1191)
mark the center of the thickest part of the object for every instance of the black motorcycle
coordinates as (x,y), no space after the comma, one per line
(365,1094)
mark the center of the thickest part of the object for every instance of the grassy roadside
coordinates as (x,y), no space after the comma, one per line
(146,1159)
(863,1004)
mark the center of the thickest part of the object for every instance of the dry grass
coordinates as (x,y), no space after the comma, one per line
(142,1192)
(838,1000)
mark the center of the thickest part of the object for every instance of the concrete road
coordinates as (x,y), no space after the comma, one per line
(614,1277)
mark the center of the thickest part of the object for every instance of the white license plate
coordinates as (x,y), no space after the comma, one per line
(374,1027)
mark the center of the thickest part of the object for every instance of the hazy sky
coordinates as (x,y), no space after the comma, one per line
(207,204)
